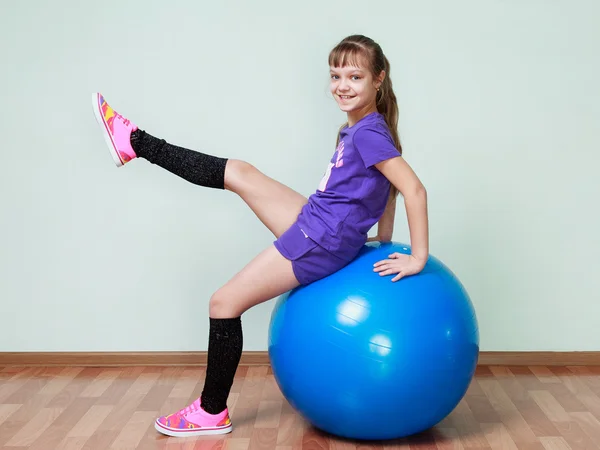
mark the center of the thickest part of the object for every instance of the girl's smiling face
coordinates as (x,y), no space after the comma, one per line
(354,89)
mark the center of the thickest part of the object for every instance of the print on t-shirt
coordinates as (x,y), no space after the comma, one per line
(339,162)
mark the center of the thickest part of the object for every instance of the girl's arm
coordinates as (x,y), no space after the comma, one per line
(385,226)
(408,184)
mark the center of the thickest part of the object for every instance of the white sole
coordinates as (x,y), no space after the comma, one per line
(105,133)
(200,432)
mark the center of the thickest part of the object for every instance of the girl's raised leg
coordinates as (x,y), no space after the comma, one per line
(275,204)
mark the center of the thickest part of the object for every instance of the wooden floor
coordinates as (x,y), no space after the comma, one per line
(114,408)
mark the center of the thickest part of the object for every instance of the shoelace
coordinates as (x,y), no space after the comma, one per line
(190,409)
(121,118)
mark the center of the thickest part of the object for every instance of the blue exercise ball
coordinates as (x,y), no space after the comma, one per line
(362,357)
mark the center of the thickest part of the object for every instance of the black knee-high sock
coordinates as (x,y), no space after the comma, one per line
(195,167)
(224,352)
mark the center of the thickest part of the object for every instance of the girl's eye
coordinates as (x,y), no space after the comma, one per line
(354,77)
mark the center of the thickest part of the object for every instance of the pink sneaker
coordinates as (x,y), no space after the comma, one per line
(193,421)
(116,129)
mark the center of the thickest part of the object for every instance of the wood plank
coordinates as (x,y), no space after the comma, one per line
(555,443)
(63,423)
(101,383)
(134,429)
(548,404)
(498,436)
(34,428)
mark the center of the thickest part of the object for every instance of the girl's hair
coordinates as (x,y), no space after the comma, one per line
(361,51)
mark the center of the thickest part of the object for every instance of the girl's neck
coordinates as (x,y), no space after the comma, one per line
(355,116)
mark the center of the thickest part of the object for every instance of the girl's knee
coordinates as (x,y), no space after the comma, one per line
(221,307)
(215,305)
(236,172)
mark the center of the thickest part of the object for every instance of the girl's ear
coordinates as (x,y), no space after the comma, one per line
(380,79)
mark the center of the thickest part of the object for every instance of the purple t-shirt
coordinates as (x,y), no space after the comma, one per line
(353,193)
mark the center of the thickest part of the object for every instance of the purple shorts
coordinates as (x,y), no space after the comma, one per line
(310,261)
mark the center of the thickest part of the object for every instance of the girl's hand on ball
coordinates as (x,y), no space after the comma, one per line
(400,264)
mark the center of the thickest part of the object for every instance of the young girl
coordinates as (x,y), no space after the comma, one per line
(314,237)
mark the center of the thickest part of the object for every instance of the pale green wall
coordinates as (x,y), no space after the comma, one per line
(499,117)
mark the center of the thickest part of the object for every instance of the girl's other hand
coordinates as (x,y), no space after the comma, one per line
(400,264)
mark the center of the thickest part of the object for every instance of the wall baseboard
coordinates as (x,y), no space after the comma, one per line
(121,359)
(539,358)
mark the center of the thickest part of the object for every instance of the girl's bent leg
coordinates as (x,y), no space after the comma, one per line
(265,277)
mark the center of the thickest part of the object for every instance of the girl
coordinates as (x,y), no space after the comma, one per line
(314,237)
